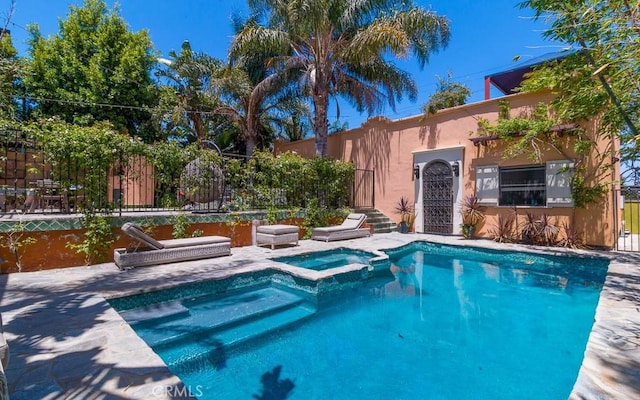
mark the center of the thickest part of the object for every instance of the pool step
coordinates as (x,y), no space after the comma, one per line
(155,312)
(211,350)
(191,334)
(210,315)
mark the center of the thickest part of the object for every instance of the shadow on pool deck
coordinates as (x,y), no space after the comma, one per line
(67,342)
(60,347)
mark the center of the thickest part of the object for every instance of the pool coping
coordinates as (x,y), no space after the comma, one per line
(66,341)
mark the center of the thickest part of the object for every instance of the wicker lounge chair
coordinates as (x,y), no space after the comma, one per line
(151,251)
(349,229)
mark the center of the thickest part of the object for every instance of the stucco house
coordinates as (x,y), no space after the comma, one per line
(436,160)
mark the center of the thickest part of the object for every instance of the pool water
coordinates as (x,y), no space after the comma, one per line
(463,324)
(322,260)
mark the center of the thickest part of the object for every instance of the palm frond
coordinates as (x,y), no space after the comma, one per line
(427,32)
(259,40)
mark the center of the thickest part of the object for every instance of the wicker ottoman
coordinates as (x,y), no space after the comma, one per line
(277,234)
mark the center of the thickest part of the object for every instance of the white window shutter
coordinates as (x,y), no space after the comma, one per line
(487,184)
(559,175)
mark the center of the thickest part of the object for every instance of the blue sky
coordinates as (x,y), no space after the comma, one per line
(485,37)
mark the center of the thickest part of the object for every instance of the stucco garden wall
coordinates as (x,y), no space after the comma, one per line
(394,148)
(50,249)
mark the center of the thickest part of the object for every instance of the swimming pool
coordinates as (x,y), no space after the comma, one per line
(323,260)
(446,323)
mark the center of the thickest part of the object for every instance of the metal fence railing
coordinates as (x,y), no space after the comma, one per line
(31,184)
(627,220)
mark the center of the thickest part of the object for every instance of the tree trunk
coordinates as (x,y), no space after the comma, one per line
(320,123)
(250,145)
(198,125)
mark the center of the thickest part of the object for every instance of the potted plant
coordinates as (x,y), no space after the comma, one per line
(405,209)
(472,214)
(468,231)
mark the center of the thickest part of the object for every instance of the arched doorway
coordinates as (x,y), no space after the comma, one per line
(437,192)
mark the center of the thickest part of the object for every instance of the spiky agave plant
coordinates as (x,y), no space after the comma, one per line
(572,238)
(405,210)
(547,230)
(471,210)
(502,232)
(530,228)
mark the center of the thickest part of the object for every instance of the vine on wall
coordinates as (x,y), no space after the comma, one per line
(530,133)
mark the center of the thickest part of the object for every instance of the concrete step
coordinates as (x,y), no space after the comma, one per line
(387,229)
(378,218)
(383,225)
(380,222)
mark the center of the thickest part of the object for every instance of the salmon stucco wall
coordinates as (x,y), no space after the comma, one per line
(393,149)
(50,249)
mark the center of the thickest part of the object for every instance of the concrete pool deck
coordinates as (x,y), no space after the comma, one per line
(67,342)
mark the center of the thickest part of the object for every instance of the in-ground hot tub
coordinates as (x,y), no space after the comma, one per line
(324,260)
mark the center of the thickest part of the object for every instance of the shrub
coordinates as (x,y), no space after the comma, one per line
(472,212)
(571,237)
(503,231)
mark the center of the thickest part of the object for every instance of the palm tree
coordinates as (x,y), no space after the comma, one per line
(188,76)
(340,46)
(257,98)
(296,125)
(243,103)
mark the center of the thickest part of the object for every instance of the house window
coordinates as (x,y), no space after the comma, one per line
(532,185)
(523,186)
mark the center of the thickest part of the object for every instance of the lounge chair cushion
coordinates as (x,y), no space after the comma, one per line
(349,229)
(136,232)
(168,251)
(196,241)
(327,229)
(278,229)
(353,221)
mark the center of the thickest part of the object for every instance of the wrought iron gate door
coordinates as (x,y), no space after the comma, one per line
(437,193)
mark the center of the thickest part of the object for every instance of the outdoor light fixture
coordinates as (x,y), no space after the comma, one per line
(416,171)
(455,167)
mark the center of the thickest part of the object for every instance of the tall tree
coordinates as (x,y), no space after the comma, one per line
(92,62)
(602,77)
(297,125)
(186,104)
(259,98)
(8,67)
(8,75)
(342,48)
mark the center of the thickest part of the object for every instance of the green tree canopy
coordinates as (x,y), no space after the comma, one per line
(8,75)
(185,108)
(93,60)
(342,48)
(448,94)
(602,76)
(260,98)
